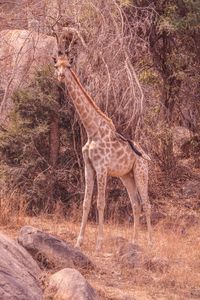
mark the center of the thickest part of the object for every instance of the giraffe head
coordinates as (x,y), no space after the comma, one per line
(61,65)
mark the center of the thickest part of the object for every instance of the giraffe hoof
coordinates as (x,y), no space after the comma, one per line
(98,246)
(77,246)
(97,250)
(79,243)
(135,241)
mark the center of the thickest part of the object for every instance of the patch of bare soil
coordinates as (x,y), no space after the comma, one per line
(169,269)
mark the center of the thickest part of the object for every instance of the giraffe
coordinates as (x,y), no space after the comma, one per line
(106,153)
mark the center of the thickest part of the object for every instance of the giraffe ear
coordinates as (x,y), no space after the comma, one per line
(60,53)
(54,59)
(71,61)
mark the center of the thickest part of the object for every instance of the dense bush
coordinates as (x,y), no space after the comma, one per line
(26,149)
(113,44)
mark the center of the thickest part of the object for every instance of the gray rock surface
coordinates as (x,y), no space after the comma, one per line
(19,273)
(191,188)
(69,284)
(181,135)
(158,264)
(28,51)
(131,255)
(58,252)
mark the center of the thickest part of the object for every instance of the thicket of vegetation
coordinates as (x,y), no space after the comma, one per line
(112,41)
(40,126)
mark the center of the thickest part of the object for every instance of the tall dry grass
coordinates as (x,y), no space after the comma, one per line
(176,242)
(12,210)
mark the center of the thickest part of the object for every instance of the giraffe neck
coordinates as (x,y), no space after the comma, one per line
(90,114)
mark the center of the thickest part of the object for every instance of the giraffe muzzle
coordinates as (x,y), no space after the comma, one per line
(61,77)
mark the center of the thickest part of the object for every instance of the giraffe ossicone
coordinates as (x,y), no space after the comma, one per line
(106,153)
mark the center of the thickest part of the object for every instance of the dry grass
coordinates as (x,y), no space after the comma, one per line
(179,248)
(12,210)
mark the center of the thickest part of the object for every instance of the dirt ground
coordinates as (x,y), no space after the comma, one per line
(172,264)
(177,243)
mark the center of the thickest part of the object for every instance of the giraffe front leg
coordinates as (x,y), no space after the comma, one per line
(101,185)
(89,184)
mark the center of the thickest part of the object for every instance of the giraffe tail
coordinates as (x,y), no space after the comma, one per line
(138,150)
(146,156)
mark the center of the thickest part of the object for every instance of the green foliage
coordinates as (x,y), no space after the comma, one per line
(25,146)
(125,2)
(175,46)
(148,77)
(183,16)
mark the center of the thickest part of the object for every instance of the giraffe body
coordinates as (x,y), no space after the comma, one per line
(110,154)
(105,154)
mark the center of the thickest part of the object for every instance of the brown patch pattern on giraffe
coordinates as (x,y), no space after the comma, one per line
(105,153)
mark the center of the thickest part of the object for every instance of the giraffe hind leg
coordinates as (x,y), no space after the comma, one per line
(101,186)
(129,183)
(141,181)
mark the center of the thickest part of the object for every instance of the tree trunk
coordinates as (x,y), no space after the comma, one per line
(161,46)
(54,141)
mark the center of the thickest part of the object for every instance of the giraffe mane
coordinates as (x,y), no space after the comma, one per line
(92,101)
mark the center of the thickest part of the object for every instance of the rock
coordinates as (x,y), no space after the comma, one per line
(191,188)
(118,241)
(28,51)
(131,255)
(69,284)
(181,135)
(157,264)
(19,273)
(52,249)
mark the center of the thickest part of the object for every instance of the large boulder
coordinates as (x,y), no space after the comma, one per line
(22,52)
(69,284)
(19,273)
(57,252)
